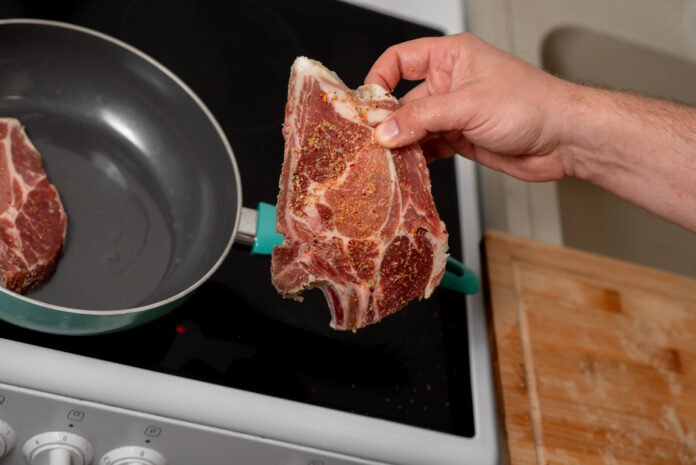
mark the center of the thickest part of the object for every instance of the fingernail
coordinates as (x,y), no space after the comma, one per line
(387,131)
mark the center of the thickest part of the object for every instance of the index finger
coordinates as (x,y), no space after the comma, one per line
(407,60)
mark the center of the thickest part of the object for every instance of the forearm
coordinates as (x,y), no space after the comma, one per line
(641,149)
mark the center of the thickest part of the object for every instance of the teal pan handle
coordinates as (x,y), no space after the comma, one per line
(457,277)
(266,235)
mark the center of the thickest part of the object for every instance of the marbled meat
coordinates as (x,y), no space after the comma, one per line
(33,222)
(358,220)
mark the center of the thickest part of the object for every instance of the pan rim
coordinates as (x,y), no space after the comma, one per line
(221,134)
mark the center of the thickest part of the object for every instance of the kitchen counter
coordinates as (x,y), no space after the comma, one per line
(595,358)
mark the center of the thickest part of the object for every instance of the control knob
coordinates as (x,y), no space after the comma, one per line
(133,455)
(58,448)
(8,438)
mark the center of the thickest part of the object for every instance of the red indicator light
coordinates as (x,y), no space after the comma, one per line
(180,328)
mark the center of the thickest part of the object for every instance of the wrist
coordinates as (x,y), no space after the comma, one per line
(584,130)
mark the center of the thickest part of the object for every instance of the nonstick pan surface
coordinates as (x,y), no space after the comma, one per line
(147,177)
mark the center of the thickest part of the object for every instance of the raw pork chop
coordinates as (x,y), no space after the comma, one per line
(32,219)
(359,220)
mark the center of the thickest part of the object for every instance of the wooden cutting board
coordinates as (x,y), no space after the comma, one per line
(595,358)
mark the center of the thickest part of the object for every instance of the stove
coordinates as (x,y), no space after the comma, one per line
(237,374)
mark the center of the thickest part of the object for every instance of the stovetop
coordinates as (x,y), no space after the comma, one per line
(236,331)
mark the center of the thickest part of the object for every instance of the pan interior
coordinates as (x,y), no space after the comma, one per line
(147,181)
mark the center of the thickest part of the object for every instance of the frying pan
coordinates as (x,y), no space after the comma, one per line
(146,174)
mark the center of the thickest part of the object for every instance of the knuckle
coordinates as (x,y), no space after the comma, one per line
(414,118)
(411,113)
(392,49)
(469,37)
(426,114)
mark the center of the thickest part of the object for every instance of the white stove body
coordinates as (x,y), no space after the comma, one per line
(191,422)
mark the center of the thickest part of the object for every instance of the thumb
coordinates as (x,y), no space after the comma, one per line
(417,118)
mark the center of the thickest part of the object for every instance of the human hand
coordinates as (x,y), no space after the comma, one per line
(480,102)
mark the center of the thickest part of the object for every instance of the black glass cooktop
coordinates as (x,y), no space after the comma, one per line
(236,331)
